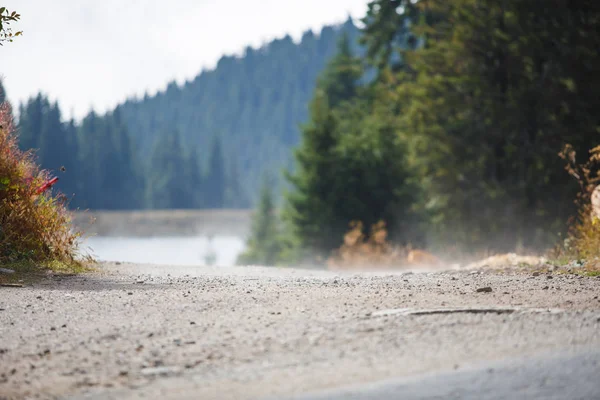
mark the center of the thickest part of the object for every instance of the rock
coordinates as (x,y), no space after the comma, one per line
(486,289)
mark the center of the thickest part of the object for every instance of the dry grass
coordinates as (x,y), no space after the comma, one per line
(35,229)
(361,251)
(583,241)
(373,251)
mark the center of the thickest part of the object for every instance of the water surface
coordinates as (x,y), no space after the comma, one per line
(165,250)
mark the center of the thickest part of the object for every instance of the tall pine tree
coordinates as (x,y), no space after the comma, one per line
(351,166)
(167,186)
(264,245)
(214,187)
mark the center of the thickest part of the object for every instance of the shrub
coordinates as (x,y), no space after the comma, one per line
(373,250)
(35,227)
(264,245)
(583,240)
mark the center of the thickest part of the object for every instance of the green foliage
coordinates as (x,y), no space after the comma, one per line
(351,165)
(486,105)
(167,185)
(234,123)
(388,32)
(215,179)
(6,18)
(264,245)
(339,80)
(458,136)
(253,103)
(2,93)
(453,144)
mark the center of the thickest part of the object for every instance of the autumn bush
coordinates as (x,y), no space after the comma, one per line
(583,239)
(371,249)
(35,228)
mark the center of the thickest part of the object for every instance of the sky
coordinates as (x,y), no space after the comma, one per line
(94,54)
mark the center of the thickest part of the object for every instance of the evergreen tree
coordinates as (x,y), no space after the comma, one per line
(4,99)
(2,92)
(52,140)
(167,186)
(387,32)
(120,178)
(92,136)
(214,189)
(310,203)
(264,245)
(486,105)
(350,166)
(235,196)
(340,79)
(194,181)
(30,122)
(70,177)
(256,102)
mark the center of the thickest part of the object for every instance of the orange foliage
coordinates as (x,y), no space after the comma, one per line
(422,257)
(360,251)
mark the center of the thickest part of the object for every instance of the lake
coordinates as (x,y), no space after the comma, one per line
(165,250)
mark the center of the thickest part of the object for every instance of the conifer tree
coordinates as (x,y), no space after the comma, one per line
(166,184)
(263,246)
(214,189)
(193,180)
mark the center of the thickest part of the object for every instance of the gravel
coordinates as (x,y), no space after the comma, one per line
(132,331)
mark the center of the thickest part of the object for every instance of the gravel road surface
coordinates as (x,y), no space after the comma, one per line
(142,331)
(548,377)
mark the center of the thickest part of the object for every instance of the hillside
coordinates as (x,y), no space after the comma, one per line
(205,144)
(253,104)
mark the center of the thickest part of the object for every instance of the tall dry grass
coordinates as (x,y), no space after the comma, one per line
(367,250)
(35,228)
(583,240)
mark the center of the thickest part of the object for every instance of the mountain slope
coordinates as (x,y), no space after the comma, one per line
(253,104)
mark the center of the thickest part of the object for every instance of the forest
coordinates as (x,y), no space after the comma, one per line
(187,146)
(443,119)
(455,145)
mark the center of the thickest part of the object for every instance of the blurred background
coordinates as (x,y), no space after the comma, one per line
(206,132)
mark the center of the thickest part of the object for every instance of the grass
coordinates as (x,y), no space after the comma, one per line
(29,272)
(36,234)
(583,241)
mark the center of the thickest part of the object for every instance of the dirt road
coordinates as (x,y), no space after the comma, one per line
(141,331)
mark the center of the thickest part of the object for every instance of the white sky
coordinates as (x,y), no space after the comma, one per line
(96,53)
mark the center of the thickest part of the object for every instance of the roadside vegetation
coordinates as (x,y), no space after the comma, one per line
(581,247)
(35,226)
